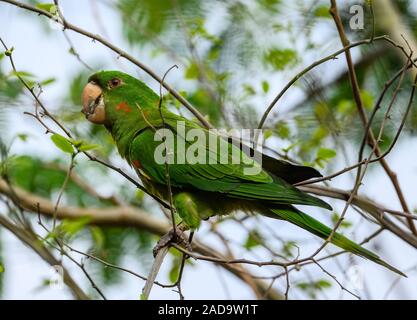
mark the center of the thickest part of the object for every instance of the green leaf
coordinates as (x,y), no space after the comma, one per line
(311,288)
(322,12)
(51,235)
(192,71)
(47,81)
(346,107)
(367,99)
(323,284)
(48,7)
(270,5)
(76,143)
(98,237)
(87,147)
(282,129)
(254,239)
(62,143)
(325,154)
(277,27)
(265,86)
(279,59)
(1,268)
(267,134)
(290,147)
(139,196)
(174,272)
(345,224)
(23,136)
(249,90)
(72,227)
(320,133)
(287,248)
(22,74)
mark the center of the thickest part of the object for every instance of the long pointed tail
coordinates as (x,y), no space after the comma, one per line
(314,226)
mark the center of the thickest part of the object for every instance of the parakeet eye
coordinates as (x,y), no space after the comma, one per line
(114,82)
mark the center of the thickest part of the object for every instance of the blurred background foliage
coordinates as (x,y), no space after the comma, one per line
(231,55)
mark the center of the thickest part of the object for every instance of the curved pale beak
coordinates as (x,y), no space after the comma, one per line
(93,104)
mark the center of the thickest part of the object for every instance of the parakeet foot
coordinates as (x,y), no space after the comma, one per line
(173,236)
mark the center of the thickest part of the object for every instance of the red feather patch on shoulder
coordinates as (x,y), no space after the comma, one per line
(136,164)
(123,106)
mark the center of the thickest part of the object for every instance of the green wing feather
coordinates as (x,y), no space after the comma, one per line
(286,171)
(228,179)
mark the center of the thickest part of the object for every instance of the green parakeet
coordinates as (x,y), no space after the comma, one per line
(219,185)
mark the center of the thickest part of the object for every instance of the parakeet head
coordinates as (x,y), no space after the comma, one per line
(113,95)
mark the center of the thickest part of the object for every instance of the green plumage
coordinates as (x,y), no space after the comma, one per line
(201,190)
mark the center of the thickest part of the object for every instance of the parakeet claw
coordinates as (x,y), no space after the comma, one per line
(173,236)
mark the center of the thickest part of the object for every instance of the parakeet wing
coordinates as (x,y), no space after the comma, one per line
(227,178)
